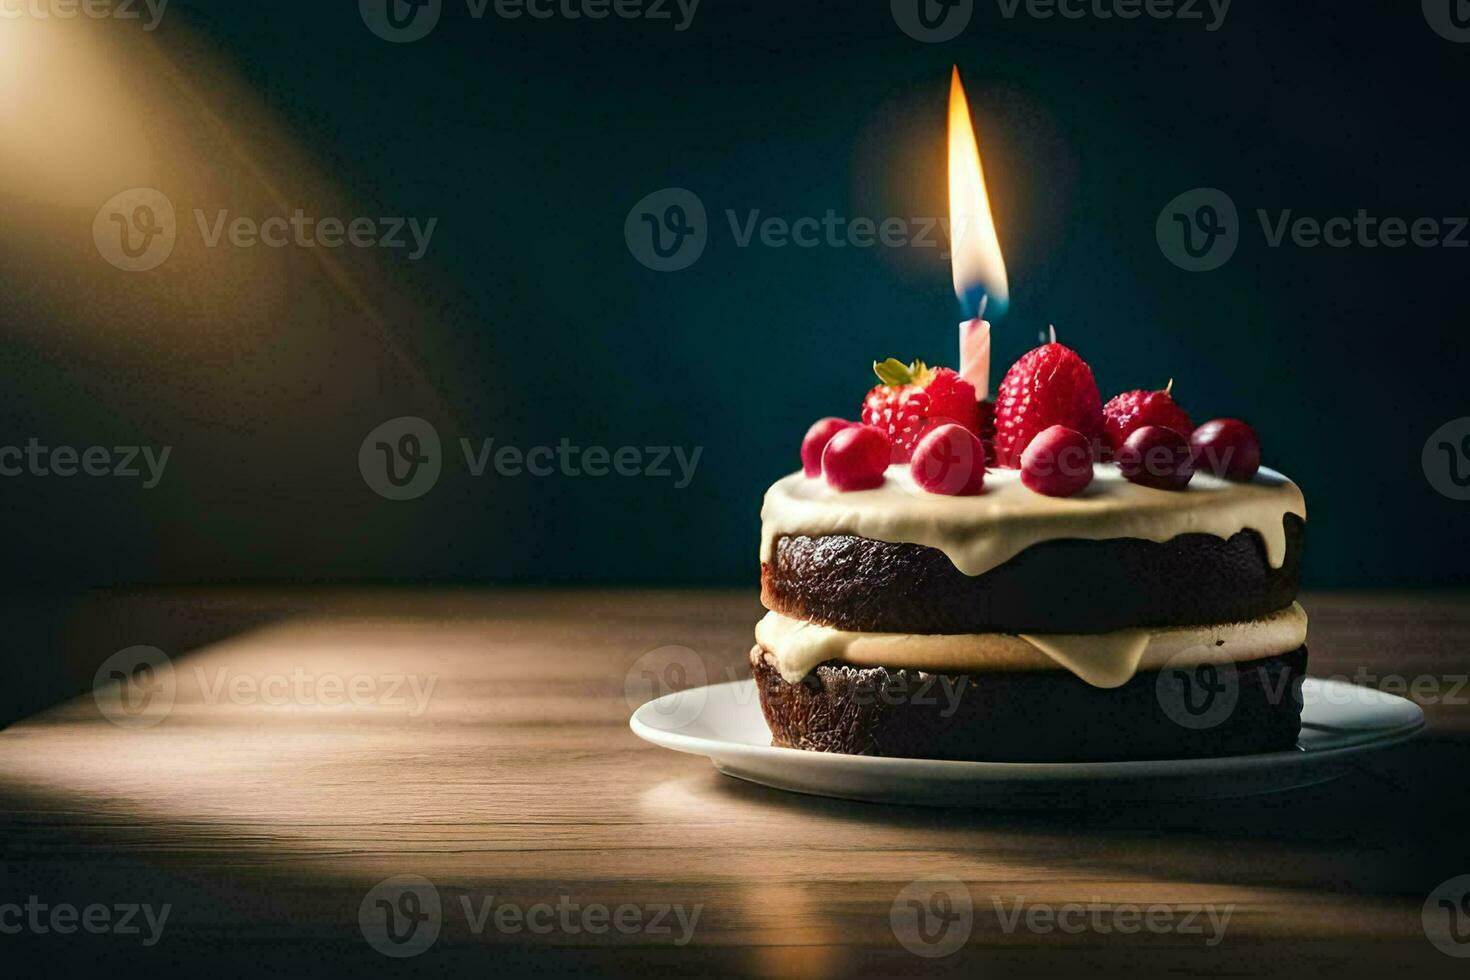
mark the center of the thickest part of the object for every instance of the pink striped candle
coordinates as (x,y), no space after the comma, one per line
(975,355)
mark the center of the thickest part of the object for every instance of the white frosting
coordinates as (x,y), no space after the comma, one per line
(1105,660)
(985,531)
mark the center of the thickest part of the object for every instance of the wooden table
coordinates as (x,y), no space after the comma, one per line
(264,818)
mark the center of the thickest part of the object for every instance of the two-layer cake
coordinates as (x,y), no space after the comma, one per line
(1141,607)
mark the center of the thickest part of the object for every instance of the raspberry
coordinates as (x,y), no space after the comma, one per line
(949,460)
(855,458)
(1050,386)
(1132,410)
(816,440)
(913,399)
(1228,448)
(1154,456)
(1058,463)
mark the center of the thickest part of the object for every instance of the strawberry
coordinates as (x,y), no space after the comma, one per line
(1050,386)
(1133,410)
(915,398)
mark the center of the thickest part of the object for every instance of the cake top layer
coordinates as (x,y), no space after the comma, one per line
(979,533)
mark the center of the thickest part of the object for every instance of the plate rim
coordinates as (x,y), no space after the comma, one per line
(968,770)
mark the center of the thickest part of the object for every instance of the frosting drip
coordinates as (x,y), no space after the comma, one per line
(983,532)
(1104,660)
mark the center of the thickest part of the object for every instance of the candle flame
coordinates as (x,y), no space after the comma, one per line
(979,268)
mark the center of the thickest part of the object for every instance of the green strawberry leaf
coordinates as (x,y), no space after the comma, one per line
(893,372)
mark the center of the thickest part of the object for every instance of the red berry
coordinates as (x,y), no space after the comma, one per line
(913,399)
(1132,410)
(1058,463)
(855,458)
(816,440)
(1154,456)
(1049,386)
(950,460)
(1228,448)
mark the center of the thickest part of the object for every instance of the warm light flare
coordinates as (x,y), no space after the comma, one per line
(72,135)
(979,267)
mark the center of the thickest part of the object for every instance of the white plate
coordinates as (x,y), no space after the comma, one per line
(1341,724)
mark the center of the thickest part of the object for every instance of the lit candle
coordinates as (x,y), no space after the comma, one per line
(979,269)
(975,352)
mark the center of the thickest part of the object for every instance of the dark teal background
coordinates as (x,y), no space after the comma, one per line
(531,141)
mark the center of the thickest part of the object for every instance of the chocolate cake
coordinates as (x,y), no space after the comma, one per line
(1003,614)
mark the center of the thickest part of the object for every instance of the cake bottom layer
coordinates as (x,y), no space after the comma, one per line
(1182,712)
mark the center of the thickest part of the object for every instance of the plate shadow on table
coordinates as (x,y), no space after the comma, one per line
(1401,814)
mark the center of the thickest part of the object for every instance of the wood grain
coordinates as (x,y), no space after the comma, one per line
(263,819)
